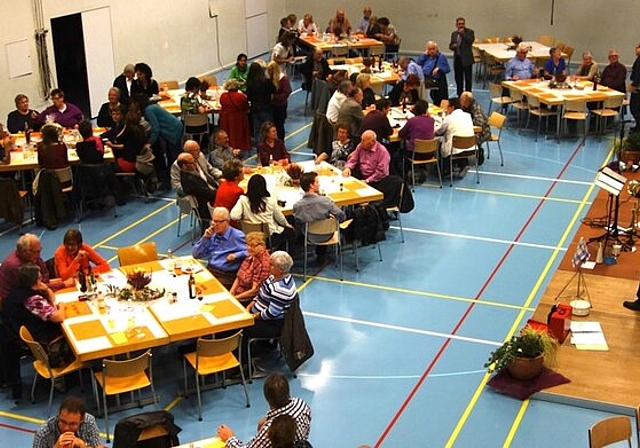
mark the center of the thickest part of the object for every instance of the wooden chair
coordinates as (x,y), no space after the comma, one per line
(496,121)
(325,232)
(139,253)
(610,108)
(610,430)
(518,102)
(568,50)
(214,356)
(470,149)
(425,152)
(547,40)
(118,377)
(195,126)
(169,84)
(560,44)
(262,227)
(575,110)
(212,80)
(495,92)
(491,40)
(535,108)
(42,367)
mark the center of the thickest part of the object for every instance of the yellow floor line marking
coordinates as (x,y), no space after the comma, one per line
(134,224)
(146,238)
(516,423)
(522,196)
(173,403)
(24,418)
(517,322)
(418,293)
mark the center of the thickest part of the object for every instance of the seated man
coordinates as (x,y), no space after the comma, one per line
(377,120)
(315,207)
(223,246)
(339,25)
(73,427)
(22,118)
(520,67)
(315,67)
(614,75)
(65,114)
(469,104)
(276,392)
(370,161)
(222,151)
(202,167)
(193,185)
(386,33)
(458,123)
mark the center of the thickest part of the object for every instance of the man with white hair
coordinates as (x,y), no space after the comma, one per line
(456,123)
(370,160)
(519,67)
(222,246)
(203,168)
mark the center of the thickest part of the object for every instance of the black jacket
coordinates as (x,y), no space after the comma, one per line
(129,429)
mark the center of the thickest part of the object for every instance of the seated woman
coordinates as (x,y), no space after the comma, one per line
(7,144)
(33,304)
(258,206)
(340,148)
(556,66)
(254,269)
(405,92)
(104,115)
(274,298)
(272,149)
(52,153)
(128,143)
(74,255)
(90,149)
(229,191)
(363,81)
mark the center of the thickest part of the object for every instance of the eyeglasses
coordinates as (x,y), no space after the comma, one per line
(219,221)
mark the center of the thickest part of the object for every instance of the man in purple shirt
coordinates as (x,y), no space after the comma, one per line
(27,251)
(371,159)
(65,114)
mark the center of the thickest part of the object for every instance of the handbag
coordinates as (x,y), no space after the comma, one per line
(430,82)
(59,353)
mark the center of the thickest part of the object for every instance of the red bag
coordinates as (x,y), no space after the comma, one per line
(559,321)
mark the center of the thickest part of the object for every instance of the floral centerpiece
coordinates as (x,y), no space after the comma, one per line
(295,172)
(137,288)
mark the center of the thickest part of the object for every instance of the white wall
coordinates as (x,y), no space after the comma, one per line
(176,38)
(596,25)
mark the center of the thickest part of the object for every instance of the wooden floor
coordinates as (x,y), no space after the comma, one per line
(599,380)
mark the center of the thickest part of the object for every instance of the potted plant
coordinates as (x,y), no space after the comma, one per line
(628,148)
(525,354)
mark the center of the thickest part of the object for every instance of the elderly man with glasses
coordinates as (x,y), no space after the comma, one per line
(203,168)
(614,75)
(223,247)
(520,67)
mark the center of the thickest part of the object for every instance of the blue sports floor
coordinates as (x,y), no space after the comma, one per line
(400,345)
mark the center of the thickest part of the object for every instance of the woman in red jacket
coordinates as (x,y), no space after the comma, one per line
(234,115)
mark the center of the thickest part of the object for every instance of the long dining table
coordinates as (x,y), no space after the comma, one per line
(328,42)
(25,157)
(503,52)
(169,100)
(555,97)
(342,190)
(97,331)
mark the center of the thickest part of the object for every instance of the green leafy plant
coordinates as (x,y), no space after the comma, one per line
(530,343)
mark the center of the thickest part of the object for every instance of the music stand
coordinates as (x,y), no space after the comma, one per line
(582,300)
(613,183)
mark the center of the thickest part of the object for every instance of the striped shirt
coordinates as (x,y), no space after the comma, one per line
(275,297)
(296,408)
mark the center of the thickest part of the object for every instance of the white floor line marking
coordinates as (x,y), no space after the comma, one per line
(405,329)
(520,195)
(391,377)
(481,238)
(546,179)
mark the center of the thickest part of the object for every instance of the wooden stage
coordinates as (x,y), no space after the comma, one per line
(603,380)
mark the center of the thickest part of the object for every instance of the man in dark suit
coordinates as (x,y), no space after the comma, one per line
(194,185)
(124,81)
(461,45)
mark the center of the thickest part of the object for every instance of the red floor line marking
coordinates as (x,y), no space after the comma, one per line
(495,270)
(17,428)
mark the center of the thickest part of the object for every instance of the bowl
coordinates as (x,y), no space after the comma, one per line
(580,307)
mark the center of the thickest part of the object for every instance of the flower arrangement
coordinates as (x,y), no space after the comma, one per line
(138,279)
(294,171)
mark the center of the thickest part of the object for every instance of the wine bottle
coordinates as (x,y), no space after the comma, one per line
(82,278)
(596,79)
(27,133)
(192,286)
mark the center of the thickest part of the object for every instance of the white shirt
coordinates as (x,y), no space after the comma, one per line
(333,108)
(457,123)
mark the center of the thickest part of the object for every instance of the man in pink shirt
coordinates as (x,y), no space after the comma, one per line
(370,161)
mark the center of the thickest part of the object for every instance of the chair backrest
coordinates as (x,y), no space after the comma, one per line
(377,50)
(340,50)
(559,44)
(250,226)
(610,430)
(613,103)
(515,94)
(139,253)
(65,176)
(170,84)
(36,348)
(215,347)
(575,106)
(496,120)
(491,40)
(568,50)
(356,60)
(127,367)
(444,104)
(638,423)
(212,80)
(322,231)
(533,101)
(186,204)
(426,147)
(495,90)
(193,120)
(464,142)
(547,40)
